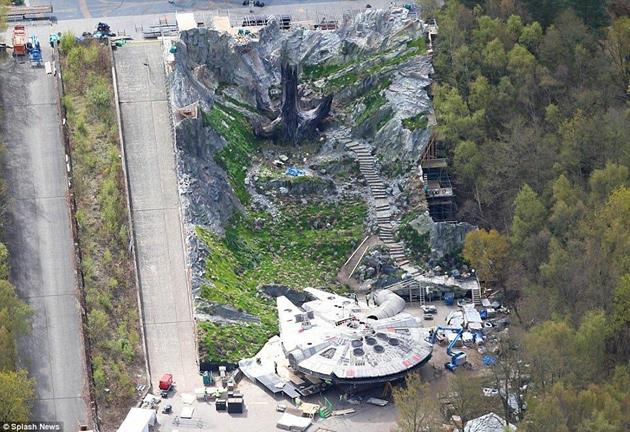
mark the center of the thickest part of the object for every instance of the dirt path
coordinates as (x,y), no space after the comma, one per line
(345,273)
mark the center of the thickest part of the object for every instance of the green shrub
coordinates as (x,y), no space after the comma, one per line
(419,121)
(416,244)
(4,262)
(98,324)
(98,375)
(234,158)
(374,100)
(420,44)
(67,42)
(317,71)
(305,246)
(99,98)
(103,225)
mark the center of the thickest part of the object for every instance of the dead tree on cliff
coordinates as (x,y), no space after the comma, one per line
(292,125)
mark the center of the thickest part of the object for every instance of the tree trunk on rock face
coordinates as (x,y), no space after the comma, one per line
(290,113)
(293,125)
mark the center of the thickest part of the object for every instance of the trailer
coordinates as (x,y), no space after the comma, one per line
(19,40)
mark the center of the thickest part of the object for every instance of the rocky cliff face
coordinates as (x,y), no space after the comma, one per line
(408,94)
(445,238)
(206,194)
(293,125)
(209,59)
(372,67)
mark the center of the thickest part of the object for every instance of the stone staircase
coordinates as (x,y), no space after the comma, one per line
(476,296)
(381,203)
(413,285)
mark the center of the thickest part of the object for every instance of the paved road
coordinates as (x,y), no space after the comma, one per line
(75,9)
(130,21)
(40,242)
(166,298)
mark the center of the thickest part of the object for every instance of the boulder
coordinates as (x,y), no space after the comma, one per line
(445,237)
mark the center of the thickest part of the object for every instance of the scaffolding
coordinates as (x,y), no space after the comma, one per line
(437,183)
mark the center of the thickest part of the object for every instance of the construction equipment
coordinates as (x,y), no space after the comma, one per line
(103,31)
(166,384)
(53,39)
(235,405)
(458,358)
(326,409)
(19,40)
(34,51)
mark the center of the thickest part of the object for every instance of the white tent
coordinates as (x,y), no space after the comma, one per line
(138,420)
(490,422)
(293,423)
(185,21)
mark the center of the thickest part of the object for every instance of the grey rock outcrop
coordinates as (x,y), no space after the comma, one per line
(378,267)
(273,291)
(220,313)
(408,94)
(207,196)
(445,237)
(254,67)
(300,186)
(210,67)
(448,237)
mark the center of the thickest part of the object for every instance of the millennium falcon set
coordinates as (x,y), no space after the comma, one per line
(336,339)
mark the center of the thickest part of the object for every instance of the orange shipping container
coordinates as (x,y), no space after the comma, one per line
(19,40)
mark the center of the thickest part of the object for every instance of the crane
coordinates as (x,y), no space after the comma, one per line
(457,357)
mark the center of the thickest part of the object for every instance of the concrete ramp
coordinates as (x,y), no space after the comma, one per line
(39,239)
(159,240)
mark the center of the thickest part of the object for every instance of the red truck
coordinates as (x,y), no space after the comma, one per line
(166,384)
(19,40)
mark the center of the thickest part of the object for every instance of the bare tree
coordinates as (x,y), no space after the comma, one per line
(465,397)
(508,374)
(429,8)
(418,410)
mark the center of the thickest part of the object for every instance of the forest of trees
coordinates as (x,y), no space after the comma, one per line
(532,104)
(17,390)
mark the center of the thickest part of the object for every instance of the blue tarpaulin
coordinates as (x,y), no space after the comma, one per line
(449,298)
(295,172)
(489,360)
